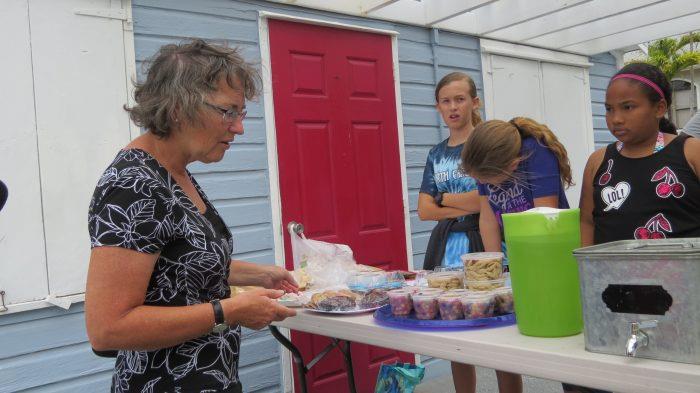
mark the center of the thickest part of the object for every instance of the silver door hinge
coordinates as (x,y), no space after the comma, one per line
(3,308)
(119,14)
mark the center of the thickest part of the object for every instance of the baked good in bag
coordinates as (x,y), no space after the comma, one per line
(374,298)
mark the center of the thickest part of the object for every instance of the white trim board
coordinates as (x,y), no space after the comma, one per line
(63,302)
(271,142)
(532,53)
(273,175)
(324,22)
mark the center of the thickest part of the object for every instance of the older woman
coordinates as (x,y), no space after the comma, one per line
(161,267)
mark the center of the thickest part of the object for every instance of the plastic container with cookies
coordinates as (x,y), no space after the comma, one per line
(446,280)
(483,265)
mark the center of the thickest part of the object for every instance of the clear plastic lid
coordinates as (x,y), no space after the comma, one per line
(475,256)
(477,296)
(426,295)
(398,292)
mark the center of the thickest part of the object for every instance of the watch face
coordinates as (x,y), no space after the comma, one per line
(220,328)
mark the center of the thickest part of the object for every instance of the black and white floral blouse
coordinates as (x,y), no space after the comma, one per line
(137,205)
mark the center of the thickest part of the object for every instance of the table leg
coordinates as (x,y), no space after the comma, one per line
(296,356)
(303,369)
(348,365)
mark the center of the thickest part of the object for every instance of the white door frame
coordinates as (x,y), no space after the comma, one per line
(271,141)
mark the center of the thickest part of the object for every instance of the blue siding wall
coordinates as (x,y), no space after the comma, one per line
(604,67)
(47,351)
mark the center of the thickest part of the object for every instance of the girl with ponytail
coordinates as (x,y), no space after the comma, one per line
(644,185)
(520,164)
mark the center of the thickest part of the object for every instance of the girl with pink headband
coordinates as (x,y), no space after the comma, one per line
(645,185)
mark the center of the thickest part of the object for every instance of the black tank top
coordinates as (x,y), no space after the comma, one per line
(652,197)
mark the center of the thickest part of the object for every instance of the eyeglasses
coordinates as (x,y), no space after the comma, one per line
(228,115)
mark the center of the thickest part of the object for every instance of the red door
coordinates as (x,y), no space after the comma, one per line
(339,167)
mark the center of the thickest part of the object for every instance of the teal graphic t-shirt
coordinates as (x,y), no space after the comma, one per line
(442,174)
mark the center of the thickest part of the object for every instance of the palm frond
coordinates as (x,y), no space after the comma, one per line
(671,55)
(689,38)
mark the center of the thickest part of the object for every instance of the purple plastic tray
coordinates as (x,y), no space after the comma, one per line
(383,316)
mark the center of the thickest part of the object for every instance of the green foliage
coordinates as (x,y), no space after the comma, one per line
(672,55)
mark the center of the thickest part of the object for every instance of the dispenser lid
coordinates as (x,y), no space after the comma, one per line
(687,246)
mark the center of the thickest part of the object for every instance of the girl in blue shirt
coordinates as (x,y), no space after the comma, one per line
(443,180)
(447,192)
(519,164)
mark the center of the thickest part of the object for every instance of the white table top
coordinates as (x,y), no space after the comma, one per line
(504,348)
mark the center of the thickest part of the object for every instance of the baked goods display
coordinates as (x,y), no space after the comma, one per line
(456,304)
(346,300)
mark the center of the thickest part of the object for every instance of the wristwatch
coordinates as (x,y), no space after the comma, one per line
(438,198)
(220,324)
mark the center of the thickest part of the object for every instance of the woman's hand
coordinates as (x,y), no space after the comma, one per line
(271,277)
(276,277)
(255,309)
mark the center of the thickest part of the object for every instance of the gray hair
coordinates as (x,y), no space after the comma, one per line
(179,78)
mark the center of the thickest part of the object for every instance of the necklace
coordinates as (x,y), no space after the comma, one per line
(657,147)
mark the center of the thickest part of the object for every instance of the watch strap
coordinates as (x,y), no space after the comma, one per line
(218,312)
(438,198)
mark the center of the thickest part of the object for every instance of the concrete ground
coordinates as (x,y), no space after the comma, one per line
(486,383)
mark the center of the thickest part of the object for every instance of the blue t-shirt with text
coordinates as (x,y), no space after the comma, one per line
(537,176)
(443,174)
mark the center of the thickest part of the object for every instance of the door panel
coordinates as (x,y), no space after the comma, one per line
(554,94)
(516,88)
(565,102)
(339,166)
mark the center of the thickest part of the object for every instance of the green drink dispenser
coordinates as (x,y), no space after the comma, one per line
(543,270)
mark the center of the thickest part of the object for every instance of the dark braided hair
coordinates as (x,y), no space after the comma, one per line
(655,75)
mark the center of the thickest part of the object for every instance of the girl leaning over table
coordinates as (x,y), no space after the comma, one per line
(519,164)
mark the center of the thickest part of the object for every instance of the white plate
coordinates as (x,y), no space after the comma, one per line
(290,303)
(347,312)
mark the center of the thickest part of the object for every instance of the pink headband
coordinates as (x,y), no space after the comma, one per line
(643,80)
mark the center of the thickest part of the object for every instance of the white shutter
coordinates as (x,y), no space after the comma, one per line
(64,83)
(80,89)
(22,251)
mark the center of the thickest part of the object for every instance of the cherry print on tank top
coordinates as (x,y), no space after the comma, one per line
(670,185)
